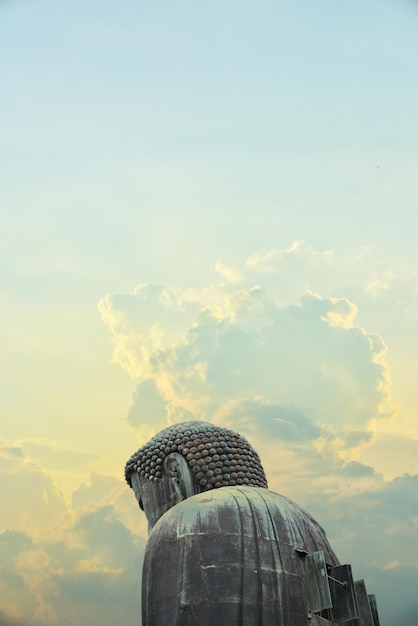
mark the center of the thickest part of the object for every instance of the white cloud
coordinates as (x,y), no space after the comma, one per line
(241,345)
(299,254)
(229,274)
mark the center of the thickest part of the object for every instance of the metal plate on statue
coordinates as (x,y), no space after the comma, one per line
(317,587)
(343,594)
(365,612)
(373,607)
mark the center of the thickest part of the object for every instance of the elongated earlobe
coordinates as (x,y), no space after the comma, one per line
(177,468)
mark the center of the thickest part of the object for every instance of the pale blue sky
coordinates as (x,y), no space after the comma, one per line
(145,133)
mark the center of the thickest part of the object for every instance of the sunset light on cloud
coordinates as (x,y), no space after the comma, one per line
(209,211)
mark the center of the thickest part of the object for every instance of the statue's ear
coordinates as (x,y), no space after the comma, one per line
(176,467)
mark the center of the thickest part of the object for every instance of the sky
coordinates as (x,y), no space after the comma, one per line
(209,211)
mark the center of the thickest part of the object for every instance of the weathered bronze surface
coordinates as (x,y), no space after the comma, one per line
(229,557)
(224,550)
(343,594)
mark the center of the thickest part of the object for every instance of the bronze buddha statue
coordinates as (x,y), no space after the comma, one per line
(222,548)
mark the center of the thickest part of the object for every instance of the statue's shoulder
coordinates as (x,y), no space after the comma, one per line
(243,511)
(228,553)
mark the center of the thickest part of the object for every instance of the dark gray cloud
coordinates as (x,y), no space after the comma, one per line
(108,574)
(13,542)
(101,532)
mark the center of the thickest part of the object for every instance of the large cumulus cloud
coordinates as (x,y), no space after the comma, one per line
(206,354)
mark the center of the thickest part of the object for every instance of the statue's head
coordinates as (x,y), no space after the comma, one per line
(188,458)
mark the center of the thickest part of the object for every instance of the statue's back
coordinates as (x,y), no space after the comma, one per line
(233,556)
(223,550)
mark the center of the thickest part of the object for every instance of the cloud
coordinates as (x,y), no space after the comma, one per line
(299,257)
(11,620)
(30,498)
(107,572)
(147,400)
(105,491)
(38,572)
(377,531)
(268,420)
(17,602)
(55,559)
(53,455)
(240,346)
(100,488)
(92,575)
(399,454)
(102,533)
(229,274)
